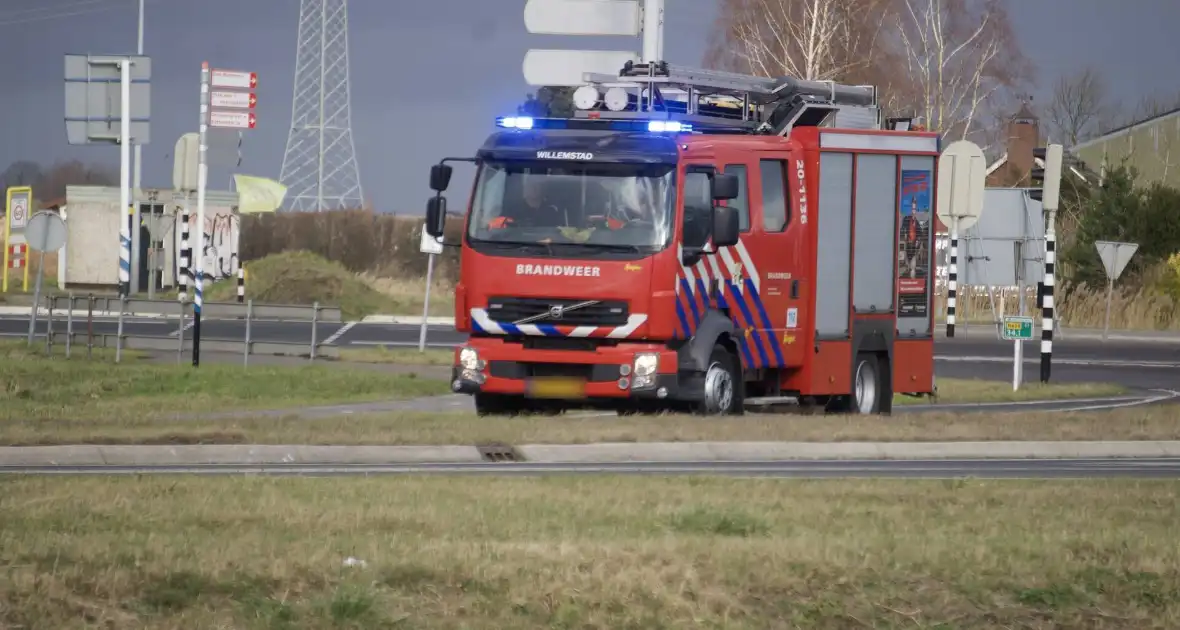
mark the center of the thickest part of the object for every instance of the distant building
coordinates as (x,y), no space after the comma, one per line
(1152,147)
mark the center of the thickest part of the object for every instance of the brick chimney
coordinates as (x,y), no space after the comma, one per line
(1023,136)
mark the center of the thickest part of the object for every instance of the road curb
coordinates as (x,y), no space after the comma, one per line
(605,453)
(770,451)
(192,455)
(407,319)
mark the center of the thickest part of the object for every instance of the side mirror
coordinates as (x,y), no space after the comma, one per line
(440,177)
(436,216)
(726,226)
(725,187)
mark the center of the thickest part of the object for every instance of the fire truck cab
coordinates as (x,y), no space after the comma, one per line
(698,241)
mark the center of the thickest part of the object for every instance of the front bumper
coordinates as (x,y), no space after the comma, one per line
(509,368)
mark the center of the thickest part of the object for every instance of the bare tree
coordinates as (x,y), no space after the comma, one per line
(960,54)
(21,173)
(806,39)
(1077,107)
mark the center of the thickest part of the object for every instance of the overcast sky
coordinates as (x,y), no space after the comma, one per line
(429,76)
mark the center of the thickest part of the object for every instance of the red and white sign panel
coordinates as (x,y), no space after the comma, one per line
(234,79)
(232,120)
(233,100)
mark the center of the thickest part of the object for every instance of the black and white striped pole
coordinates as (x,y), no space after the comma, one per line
(186,252)
(1049,195)
(241,283)
(952,284)
(202,180)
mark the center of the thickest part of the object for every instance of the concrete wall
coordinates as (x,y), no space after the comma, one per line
(91,254)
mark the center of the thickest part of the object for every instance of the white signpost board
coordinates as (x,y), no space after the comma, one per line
(431,247)
(233,100)
(1115,256)
(617,18)
(962,171)
(46,232)
(232,120)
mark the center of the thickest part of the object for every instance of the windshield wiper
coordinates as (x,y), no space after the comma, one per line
(614,247)
(548,247)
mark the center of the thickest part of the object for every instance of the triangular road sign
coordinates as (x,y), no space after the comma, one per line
(1115,256)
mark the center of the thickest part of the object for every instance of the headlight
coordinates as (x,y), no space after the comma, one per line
(644,370)
(469,359)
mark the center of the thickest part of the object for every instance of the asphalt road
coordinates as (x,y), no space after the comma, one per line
(906,469)
(1137,364)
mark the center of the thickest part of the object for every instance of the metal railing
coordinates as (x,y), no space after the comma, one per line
(178,317)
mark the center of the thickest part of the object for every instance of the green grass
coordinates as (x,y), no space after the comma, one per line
(964,390)
(597,552)
(398,356)
(299,277)
(35,387)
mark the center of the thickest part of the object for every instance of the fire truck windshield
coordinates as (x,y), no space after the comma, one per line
(583,210)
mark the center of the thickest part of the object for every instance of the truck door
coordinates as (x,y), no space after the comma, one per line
(775,249)
(758,289)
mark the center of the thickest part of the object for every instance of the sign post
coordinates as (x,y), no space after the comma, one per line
(1115,257)
(108,101)
(46,232)
(431,247)
(1019,329)
(19,200)
(962,171)
(617,18)
(223,106)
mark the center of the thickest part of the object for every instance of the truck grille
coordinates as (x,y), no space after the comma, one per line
(511,309)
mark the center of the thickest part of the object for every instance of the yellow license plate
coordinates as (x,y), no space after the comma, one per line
(557,388)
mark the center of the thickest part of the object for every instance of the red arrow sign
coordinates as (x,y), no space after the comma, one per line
(233,100)
(233,79)
(224,119)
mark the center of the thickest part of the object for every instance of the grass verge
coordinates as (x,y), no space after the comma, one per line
(300,277)
(398,355)
(33,387)
(589,552)
(973,390)
(1143,423)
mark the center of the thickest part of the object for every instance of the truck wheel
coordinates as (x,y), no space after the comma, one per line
(868,387)
(497,405)
(723,385)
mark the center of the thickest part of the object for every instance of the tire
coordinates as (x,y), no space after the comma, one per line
(723,385)
(869,385)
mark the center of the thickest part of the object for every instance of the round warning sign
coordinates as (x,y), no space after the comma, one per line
(20,213)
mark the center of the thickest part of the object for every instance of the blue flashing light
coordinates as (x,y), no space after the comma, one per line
(651,126)
(515,122)
(668,126)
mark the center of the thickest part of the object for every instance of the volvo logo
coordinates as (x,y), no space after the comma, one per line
(555,312)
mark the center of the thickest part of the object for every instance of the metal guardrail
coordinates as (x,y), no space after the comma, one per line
(110,305)
(65,307)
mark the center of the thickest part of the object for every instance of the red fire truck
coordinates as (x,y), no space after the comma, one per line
(699,241)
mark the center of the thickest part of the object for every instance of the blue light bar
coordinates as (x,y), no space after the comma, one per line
(668,126)
(515,122)
(650,126)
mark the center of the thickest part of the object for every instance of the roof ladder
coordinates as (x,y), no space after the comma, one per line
(716,101)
